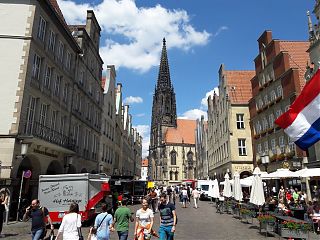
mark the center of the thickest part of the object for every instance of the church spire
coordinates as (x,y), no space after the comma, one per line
(164,81)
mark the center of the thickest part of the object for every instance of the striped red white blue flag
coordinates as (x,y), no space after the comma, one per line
(302,121)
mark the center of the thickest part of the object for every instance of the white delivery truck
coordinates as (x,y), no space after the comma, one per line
(56,192)
(205,187)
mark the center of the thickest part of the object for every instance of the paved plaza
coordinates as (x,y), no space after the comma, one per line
(193,224)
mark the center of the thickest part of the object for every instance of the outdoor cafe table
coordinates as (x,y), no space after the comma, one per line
(298,212)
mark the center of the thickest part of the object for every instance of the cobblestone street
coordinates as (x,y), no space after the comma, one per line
(193,224)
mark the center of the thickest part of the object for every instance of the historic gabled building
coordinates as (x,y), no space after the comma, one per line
(172,141)
(314,54)
(280,67)
(229,142)
(201,149)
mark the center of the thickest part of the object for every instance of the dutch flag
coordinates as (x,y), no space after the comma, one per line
(302,121)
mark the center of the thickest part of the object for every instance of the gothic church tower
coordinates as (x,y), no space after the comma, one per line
(164,114)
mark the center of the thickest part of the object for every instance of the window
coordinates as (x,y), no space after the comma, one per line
(57,84)
(171,175)
(281,144)
(42,29)
(68,60)
(176,175)
(266,147)
(60,51)
(54,120)
(273,146)
(258,127)
(260,103)
(43,115)
(65,92)
(47,77)
(242,147)
(265,124)
(36,66)
(259,148)
(52,41)
(30,114)
(62,124)
(173,156)
(279,91)
(273,95)
(81,77)
(190,159)
(278,113)
(266,99)
(271,120)
(76,134)
(291,144)
(240,121)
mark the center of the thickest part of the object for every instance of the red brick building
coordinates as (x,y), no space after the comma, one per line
(280,67)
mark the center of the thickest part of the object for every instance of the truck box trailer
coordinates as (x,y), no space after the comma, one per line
(56,192)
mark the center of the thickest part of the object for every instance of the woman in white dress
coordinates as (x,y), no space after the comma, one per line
(144,222)
(70,224)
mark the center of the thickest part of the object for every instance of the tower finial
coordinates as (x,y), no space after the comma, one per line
(310,27)
(164,41)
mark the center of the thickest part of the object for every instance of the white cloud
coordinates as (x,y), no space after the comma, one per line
(194,114)
(144,131)
(131,99)
(140,115)
(223,28)
(142,30)
(204,101)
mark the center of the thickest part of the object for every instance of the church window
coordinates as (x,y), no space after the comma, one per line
(171,175)
(173,156)
(190,158)
(176,175)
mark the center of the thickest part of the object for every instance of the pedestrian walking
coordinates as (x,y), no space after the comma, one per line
(153,199)
(184,194)
(70,227)
(196,195)
(39,216)
(168,219)
(189,193)
(121,220)
(102,225)
(144,222)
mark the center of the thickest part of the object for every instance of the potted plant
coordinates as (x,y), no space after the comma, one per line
(267,222)
(294,229)
(228,206)
(246,213)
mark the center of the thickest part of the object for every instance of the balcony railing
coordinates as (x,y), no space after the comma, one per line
(45,133)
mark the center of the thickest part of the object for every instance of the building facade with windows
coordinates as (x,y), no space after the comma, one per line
(278,80)
(201,149)
(314,54)
(52,99)
(229,141)
(172,140)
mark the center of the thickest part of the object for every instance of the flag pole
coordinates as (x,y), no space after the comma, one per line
(19,202)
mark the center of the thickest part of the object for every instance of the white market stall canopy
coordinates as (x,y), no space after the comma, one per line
(307,172)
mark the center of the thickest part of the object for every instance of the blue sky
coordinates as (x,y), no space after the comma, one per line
(200,36)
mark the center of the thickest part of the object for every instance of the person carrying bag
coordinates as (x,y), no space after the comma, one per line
(93,231)
(70,227)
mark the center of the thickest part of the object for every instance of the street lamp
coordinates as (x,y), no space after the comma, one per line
(265,161)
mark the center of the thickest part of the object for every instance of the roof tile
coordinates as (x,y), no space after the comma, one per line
(185,132)
(239,86)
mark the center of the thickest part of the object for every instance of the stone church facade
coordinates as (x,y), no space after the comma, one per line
(172,140)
